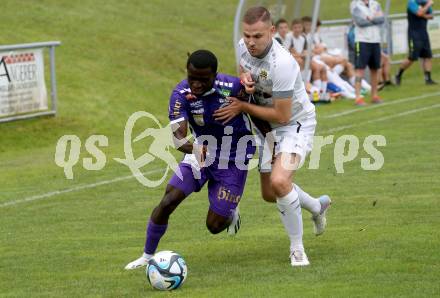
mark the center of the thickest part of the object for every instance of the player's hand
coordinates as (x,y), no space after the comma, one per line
(430,3)
(249,84)
(227,113)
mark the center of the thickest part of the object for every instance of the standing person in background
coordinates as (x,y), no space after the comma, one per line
(367,17)
(419,12)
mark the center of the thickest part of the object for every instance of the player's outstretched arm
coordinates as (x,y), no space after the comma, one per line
(280,112)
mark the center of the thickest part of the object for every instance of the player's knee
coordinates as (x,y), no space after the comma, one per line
(214,226)
(280,184)
(167,205)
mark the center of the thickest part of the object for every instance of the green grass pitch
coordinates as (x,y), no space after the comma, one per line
(119,57)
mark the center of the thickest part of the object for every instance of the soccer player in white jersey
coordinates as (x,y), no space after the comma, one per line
(272,75)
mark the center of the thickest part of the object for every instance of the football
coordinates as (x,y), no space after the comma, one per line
(166,271)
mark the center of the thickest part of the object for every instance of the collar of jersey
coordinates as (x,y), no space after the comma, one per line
(208,92)
(266,51)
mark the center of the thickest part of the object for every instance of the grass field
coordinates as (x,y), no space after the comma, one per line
(119,57)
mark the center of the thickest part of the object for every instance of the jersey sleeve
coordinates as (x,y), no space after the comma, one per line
(284,78)
(241,48)
(413,7)
(177,109)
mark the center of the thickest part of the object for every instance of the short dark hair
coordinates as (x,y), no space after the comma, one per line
(256,14)
(280,21)
(203,59)
(309,20)
(296,22)
(306,19)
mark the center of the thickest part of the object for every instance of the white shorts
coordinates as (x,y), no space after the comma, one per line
(296,139)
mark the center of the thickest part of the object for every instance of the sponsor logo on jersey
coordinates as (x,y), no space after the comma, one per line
(176,108)
(223,100)
(196,104)
(198,119)
(225,92)
(263,74)
(226,195)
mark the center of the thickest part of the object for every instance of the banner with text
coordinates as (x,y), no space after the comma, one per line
(22,84)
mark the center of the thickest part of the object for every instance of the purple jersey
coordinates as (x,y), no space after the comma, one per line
(199,114)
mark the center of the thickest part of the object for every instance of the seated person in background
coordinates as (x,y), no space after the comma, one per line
(283,35)
(298,47)
(307,25)
(384,71)
(336,62)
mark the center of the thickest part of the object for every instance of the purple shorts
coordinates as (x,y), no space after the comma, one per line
(225,186)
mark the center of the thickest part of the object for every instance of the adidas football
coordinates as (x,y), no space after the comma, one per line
(166,270)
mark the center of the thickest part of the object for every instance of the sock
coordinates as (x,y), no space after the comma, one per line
(401,70)
(365,85)
(353,80)
(324,86)
(154,233)
(307,201)
(146,256)
(338,69)
(427,76)
(290,213)
(317,84)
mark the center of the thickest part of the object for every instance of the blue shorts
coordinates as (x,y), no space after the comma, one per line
(225,186)
(419,48)
(367,54)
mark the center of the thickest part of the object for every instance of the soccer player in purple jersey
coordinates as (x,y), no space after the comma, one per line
(192,104)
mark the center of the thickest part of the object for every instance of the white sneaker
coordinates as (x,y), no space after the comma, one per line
(235,223)
(141,262)
(325,96)
(299,258)
(320,220)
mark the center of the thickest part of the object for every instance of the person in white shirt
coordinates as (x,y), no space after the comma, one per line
(298,47)
(368,18)
(273,78)
(282,35)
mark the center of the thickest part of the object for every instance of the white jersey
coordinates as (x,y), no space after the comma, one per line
(277,75)
(299,43)
(286,42)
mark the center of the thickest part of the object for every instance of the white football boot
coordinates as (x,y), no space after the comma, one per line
(320,220)
(138,263)
(299,258)
(234,226)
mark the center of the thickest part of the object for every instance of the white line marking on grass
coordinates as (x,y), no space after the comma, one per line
(336,129)
(361,109)
(75,188)
(105,182)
